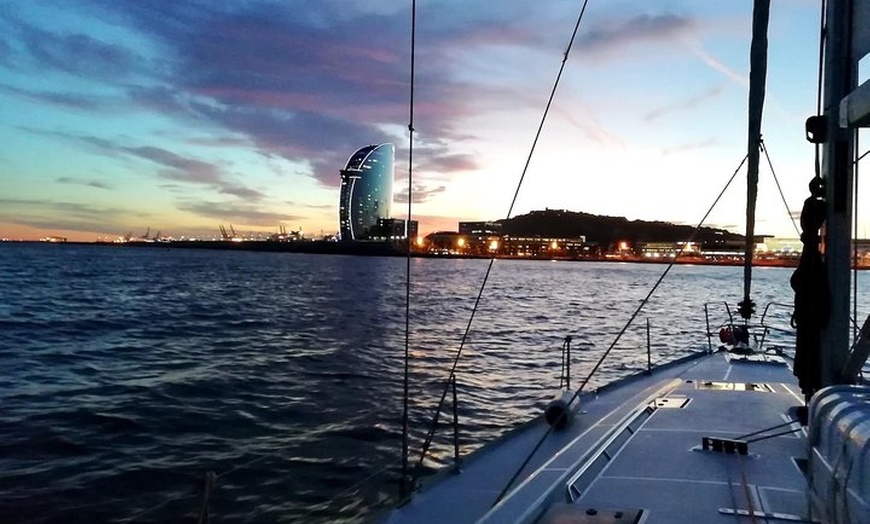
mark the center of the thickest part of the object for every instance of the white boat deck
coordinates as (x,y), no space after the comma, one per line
(634,454)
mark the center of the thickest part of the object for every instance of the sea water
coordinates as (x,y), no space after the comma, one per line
(131,377)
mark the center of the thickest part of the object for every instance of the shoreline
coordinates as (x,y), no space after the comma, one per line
(398,250)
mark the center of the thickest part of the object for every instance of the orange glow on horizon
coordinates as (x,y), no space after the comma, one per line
(28,233)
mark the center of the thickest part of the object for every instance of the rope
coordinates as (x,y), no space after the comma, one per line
(749,505)
(742,437)
(619,335)
(743,483)
(731,493)
(403,487)
(772,435)
(779,188)
(434,424)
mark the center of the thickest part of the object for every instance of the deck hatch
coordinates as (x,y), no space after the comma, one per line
(733,386)
(671,402)
(574,514)
(725,445)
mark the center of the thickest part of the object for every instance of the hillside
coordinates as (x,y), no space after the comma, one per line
(559,223)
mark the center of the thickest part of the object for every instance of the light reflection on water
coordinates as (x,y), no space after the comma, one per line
(132,372)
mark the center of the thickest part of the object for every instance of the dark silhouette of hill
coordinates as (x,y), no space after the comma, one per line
(556,223)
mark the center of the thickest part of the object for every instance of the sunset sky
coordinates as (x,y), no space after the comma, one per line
(118,115)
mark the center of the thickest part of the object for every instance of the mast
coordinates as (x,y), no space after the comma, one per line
(757,80)
(840,73)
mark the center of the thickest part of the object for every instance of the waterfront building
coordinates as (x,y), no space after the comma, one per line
(393,229)
(480,228)
(547,247)
(483,238)
(366,193)
(446,243)
(658,250)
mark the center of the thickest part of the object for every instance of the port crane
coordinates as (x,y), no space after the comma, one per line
(227,235)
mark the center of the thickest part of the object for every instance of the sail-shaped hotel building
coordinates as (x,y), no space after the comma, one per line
(366,191)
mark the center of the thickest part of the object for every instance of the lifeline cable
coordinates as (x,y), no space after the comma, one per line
(618,336)
(434,425)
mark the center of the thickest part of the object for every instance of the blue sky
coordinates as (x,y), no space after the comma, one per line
(117,116)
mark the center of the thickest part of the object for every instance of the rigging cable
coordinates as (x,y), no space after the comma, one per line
(820,81)
(855,326)
(779,188)
(854,323)
(451,376)
(403,487)
(660,279)
(619,335)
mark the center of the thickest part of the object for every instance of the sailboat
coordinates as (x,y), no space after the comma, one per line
(734,434)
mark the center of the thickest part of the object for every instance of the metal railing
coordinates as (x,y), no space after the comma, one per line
(759,331)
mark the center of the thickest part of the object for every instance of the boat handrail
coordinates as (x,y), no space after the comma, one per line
(764,316)
(759,330)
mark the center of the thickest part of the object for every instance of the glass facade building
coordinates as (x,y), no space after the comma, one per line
(366,191)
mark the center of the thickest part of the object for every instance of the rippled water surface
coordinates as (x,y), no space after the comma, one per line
(130,374)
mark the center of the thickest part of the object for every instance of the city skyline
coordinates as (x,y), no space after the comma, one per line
(182,116)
